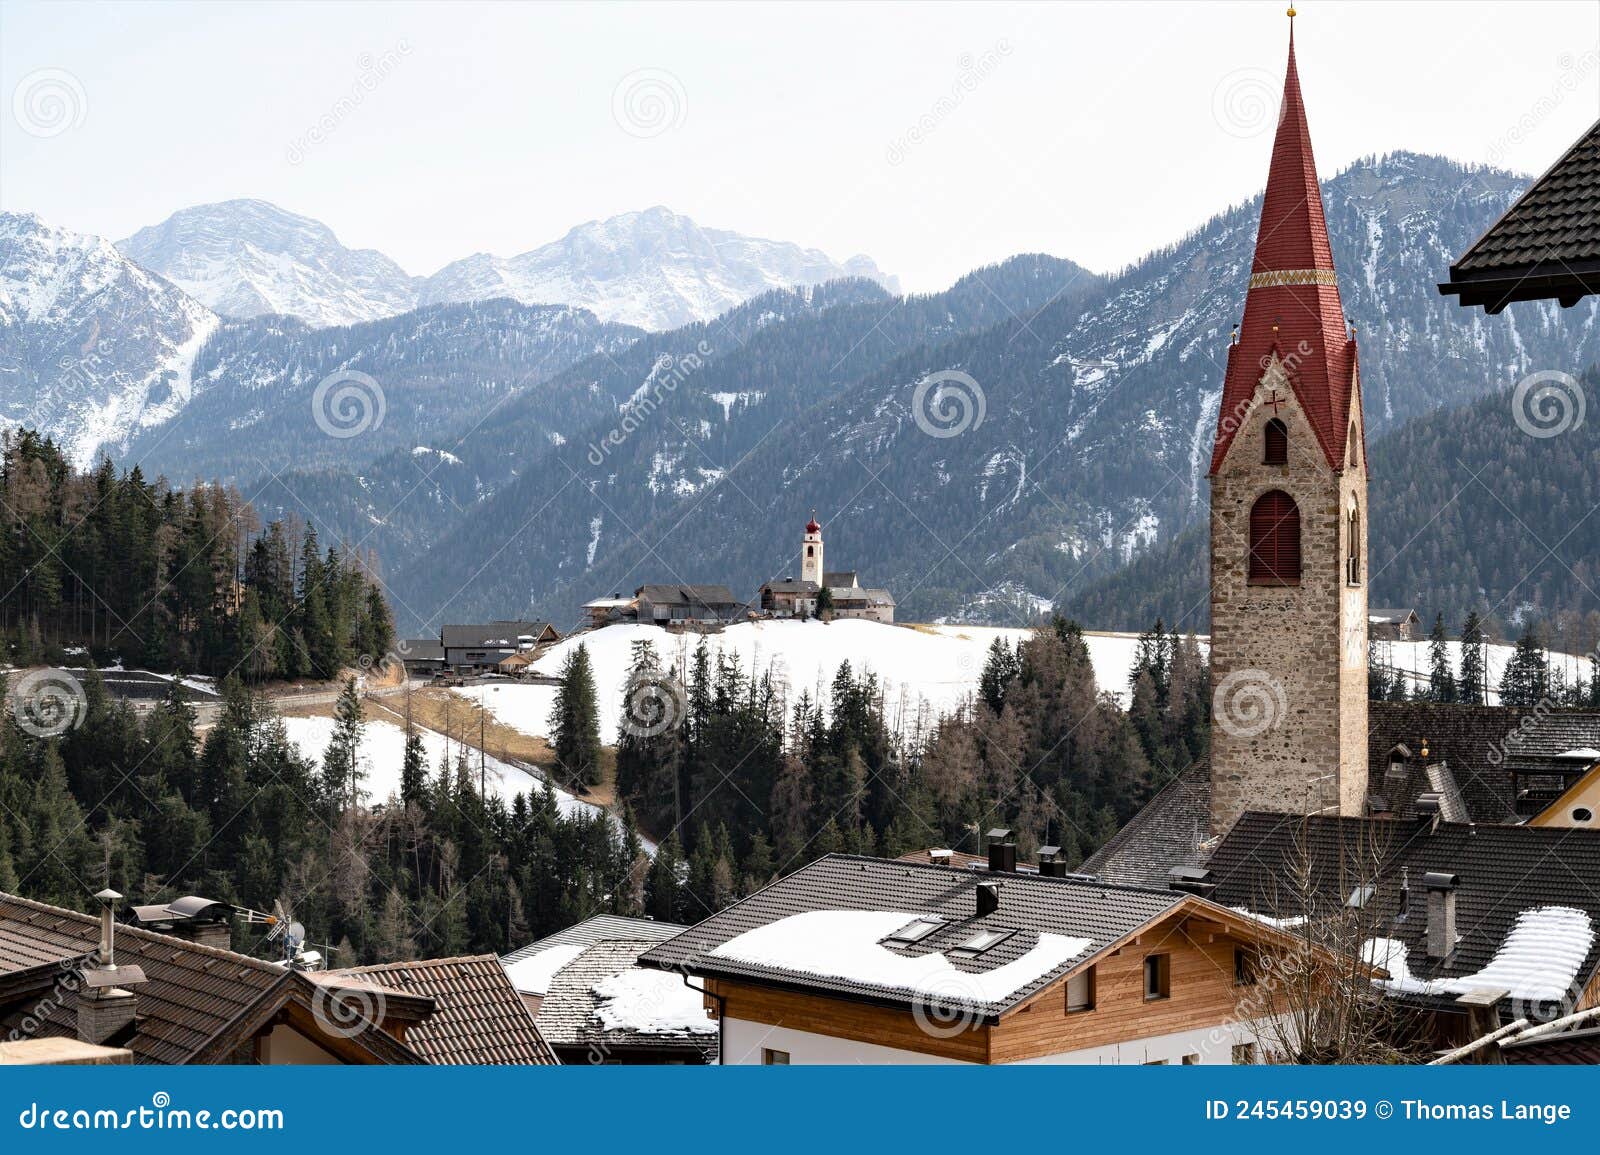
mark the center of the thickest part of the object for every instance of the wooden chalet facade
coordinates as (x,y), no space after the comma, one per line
(1153,976)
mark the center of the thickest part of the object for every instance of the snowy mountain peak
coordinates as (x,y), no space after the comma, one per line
(92,347)
(653,268)
(244,258)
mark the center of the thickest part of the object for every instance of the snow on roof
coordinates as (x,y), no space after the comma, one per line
(1538,961)
(651,1002)
(532,975)
(1585,753)
(1268,920)
(845,944)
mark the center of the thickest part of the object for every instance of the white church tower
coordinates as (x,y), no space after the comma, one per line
(811,553)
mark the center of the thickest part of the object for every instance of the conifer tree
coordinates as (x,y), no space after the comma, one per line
(1473,680)
(1442,679)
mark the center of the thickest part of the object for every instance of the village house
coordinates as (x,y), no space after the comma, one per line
(477,648)
(1393,625)
(610,611)
(687,605)
(169,997)
(532,967)
(861,960)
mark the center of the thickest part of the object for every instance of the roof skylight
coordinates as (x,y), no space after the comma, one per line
(982,941)
(917,930)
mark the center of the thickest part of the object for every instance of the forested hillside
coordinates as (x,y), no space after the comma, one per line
(134,571)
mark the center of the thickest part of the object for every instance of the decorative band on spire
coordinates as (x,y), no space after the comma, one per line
(1277,277)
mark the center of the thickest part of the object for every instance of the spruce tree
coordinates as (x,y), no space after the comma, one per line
(1442,679)
(341,764)
(1473,681)
(575,721)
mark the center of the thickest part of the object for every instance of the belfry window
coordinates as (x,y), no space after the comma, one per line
(1353,548)
(1276,439)
(1275,540)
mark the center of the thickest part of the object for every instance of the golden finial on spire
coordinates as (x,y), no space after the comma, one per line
(1291,12)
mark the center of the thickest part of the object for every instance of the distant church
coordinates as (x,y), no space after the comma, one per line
(801,598)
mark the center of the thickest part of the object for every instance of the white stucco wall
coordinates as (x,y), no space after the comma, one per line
(743,1042)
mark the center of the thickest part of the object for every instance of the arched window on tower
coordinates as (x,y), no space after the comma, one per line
(1275,540)
(1276,438)
(1353,546)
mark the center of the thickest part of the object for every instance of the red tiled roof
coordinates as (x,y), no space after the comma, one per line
(1295,314)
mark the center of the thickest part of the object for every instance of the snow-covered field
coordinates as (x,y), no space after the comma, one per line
(929,667)
(383,746)
(1412,659)
(933,666)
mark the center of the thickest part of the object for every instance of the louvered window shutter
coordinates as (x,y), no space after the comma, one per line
(1275,539)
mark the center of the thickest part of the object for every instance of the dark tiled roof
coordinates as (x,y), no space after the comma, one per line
(192,992)
(1029,904)
(790,586)
(1550,735)
(1468,738)
(421,650)
(687,595)
(569,1017)
(840,577)
(478,1019)
(1167,832)
(491,634)
(1504,870)
(1571,1048)
(599,928)
(1546,245)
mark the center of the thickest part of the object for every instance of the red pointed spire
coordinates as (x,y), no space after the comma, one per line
(1292,308)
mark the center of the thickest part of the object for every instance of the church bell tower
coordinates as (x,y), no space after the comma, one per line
(811,553)
(1288,519)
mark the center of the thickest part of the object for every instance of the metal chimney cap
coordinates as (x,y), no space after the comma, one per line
(999,834)
(1048,852)
(1441,880)
(109,895)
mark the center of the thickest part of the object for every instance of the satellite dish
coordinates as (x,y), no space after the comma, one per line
(296,934)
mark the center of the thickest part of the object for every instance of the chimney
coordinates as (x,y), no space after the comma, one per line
(1429,809)
(1051,864)
(1191,880)
(1441,888)
(104,1005)
(988,898)
(1002,851)
(200,920)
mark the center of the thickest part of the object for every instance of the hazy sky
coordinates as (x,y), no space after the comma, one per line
(932,137)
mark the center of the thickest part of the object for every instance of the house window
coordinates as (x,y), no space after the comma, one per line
(1246,967)
(811,551)
(1582,814)
(771,1058)
(1244,1054)
(1275,540)
(1157,976)
(1353,548)
(1276,443)
(1080,991)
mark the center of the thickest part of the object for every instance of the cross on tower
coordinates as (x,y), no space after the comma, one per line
(1276,402)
